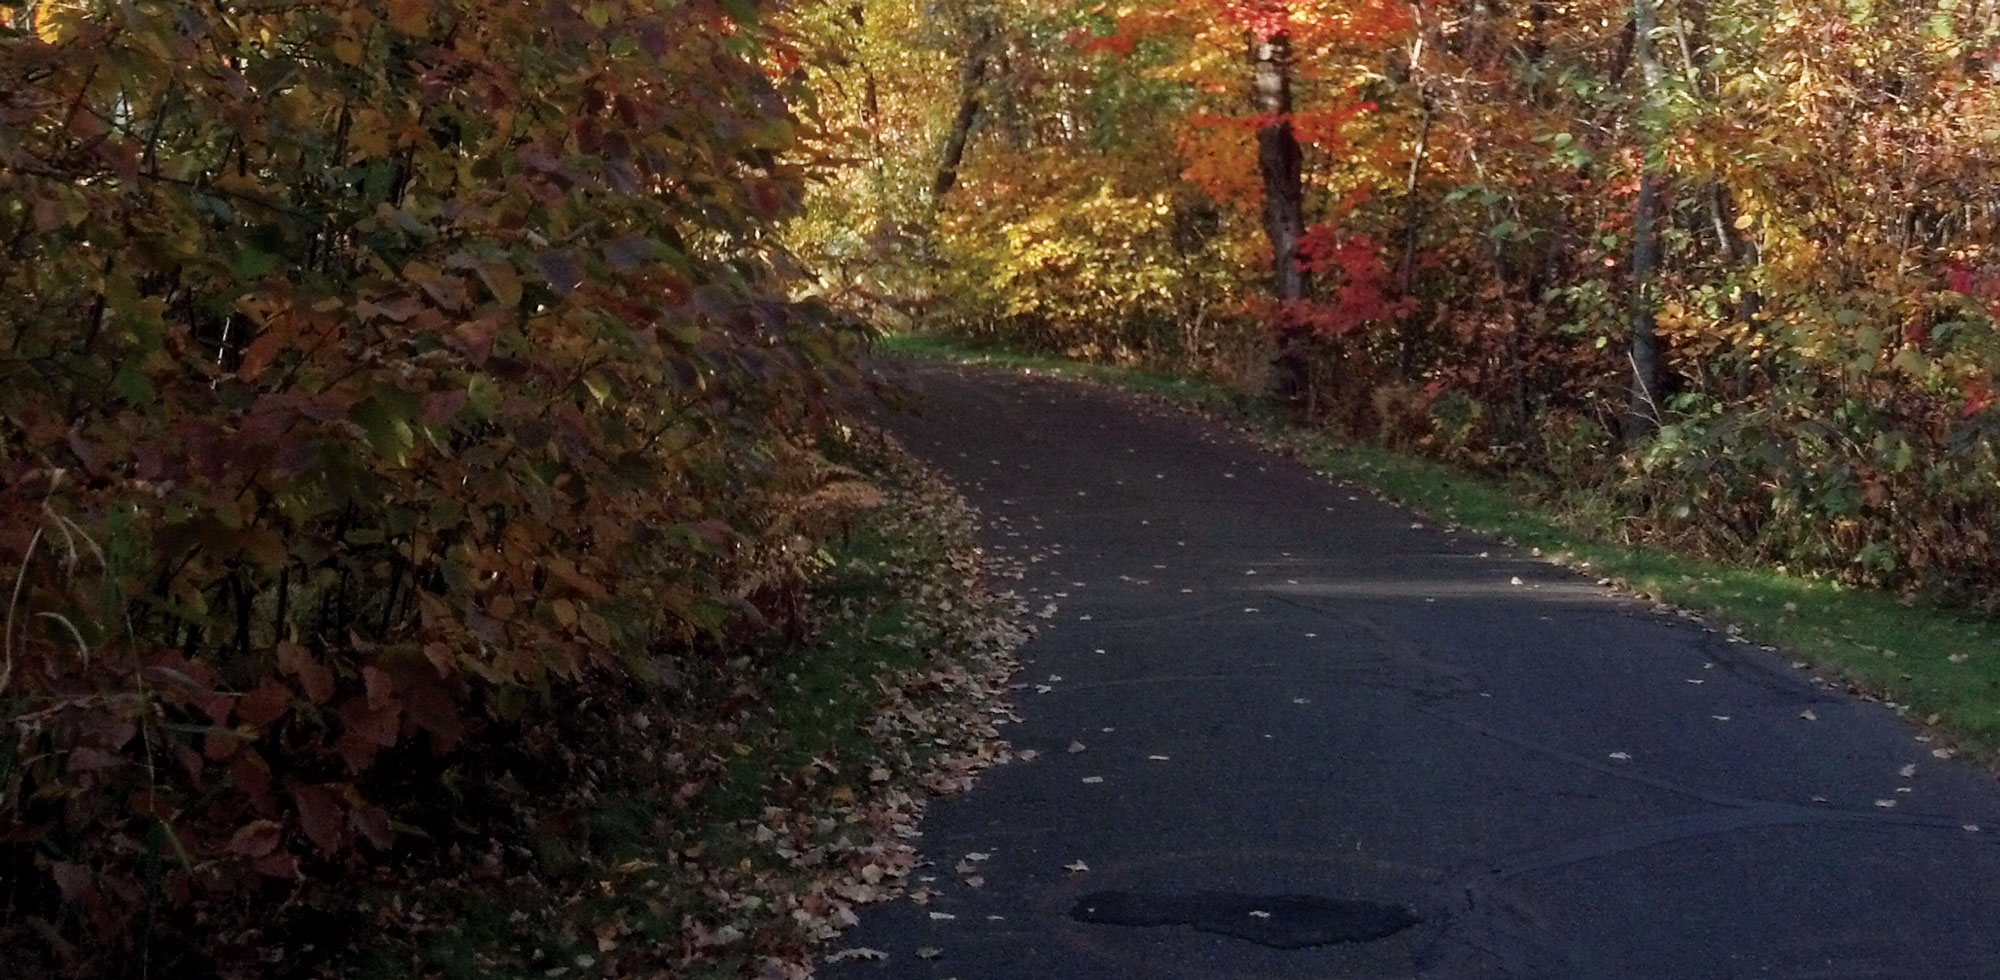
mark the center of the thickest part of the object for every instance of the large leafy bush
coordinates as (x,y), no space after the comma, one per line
(372,372)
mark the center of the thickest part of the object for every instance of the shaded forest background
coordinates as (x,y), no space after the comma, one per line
(383,381)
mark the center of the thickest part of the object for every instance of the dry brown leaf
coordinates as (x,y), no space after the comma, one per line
(856,953)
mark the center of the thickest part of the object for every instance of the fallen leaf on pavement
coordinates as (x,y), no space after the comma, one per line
(1075,747)
(856,953)
(1808,715)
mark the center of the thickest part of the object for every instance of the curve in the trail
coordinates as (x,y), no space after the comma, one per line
(1253,685)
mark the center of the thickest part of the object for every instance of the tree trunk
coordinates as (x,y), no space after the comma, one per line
(1279,164)
(1643,412)
(970,79)
(1406,267)
(1407,341)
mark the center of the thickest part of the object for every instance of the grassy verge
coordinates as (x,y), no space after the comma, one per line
(1938,665)
(794,779)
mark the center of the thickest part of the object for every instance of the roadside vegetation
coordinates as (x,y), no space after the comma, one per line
(728,819)
(433,543)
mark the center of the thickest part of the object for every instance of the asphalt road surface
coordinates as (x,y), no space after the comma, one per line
(1283,730)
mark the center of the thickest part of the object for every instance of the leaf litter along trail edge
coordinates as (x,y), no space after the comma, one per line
(934,726)
(811,807)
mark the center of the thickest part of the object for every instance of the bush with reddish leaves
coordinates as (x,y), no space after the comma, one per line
(373,375)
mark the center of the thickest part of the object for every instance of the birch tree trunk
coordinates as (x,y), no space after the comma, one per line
(1643,413)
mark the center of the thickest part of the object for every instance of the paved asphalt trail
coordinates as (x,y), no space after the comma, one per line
(1287,688)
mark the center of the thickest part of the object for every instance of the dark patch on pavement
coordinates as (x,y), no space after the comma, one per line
(1277,921)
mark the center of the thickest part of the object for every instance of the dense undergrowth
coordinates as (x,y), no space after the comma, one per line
(719,818)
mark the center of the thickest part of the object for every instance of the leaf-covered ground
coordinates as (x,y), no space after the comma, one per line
(736,821)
